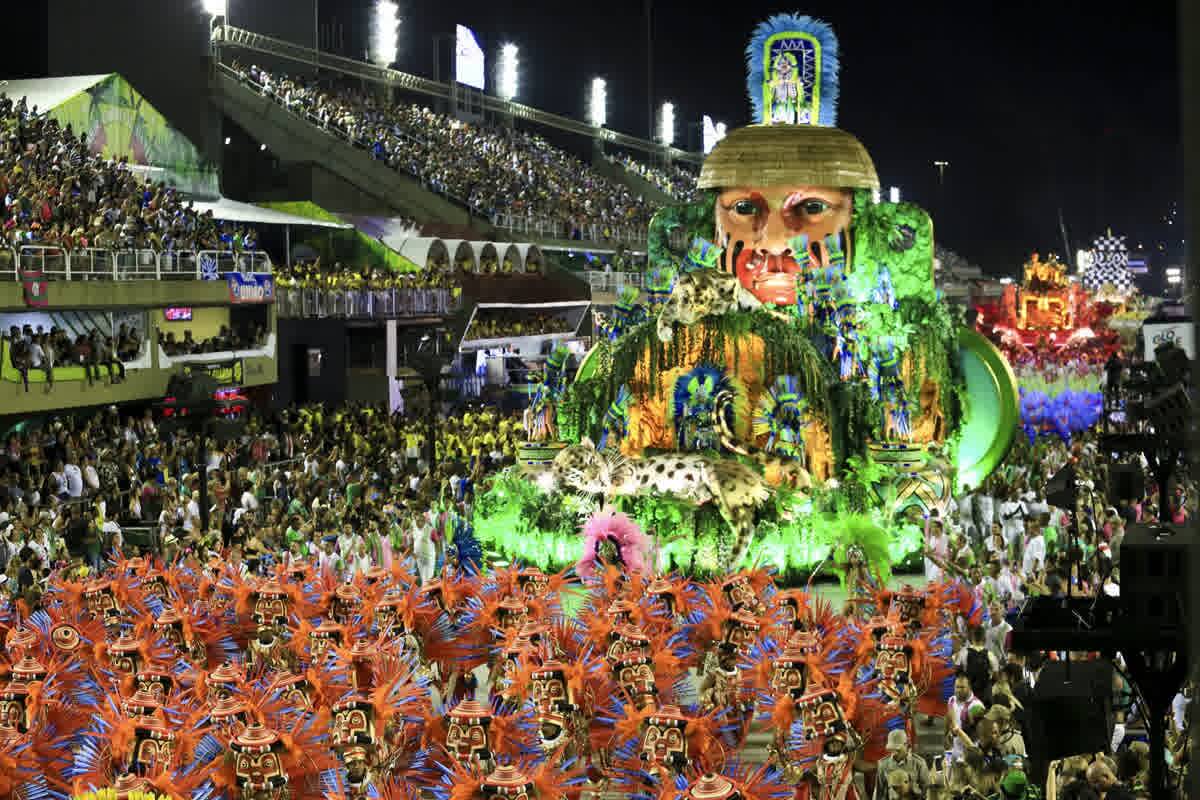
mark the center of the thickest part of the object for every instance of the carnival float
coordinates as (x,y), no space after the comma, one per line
(792,368)
(1058,332)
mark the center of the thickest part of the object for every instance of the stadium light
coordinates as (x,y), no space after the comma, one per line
(1174,279)
(215,8)
(598,107)
(893,194)
(506,86)
(385,35)
(666,123)
(1174,271)
(1006,281)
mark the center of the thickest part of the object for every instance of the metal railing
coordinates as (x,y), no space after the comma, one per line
(94,263)
(613,282)
(556,229)
(230,36)
(298,303)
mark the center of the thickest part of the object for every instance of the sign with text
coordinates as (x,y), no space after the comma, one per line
(250,287)
(1182,334)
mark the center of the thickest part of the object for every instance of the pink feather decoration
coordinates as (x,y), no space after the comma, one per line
(630,540)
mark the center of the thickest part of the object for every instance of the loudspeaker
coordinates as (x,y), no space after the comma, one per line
(1173,361)
(1069,717)
(1155,573)
(1061,490)
(1126,482)
(1170,412)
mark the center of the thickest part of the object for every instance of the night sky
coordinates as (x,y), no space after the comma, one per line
(1038,106)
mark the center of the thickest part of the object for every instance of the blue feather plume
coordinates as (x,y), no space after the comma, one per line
(827,45)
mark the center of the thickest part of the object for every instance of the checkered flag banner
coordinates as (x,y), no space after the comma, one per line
(1110,265)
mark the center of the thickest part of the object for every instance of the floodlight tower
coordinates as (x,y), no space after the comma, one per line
(598,115)
(508,78)
(666,129)
(385,32)
(217,11)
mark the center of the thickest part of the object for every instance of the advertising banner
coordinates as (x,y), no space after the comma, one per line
(251,287)
(1157,334)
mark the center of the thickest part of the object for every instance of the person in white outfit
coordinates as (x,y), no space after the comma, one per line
(425,550)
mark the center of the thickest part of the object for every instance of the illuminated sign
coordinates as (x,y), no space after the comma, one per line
(1182,334)
(468,58)
(713,133)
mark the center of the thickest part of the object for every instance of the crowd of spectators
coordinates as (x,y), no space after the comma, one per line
(58,193)
(334,484)
(1008,542)
(673,179)
(503,323)
(496,171)
(228,339)
(68,490)
(35,349)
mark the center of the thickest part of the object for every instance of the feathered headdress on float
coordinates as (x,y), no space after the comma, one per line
(611,537)
(810,47)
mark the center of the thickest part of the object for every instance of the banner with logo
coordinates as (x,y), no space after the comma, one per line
(225,373)
(250,287)
(37,288)
(1157,334)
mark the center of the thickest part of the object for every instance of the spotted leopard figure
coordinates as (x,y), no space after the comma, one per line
(699,294)
(735,489)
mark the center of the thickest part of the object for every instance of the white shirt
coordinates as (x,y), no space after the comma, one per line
(1012,520)
(986,509)
(1035,551)
(36,354)
(74,478)
(1178,708)
(192,517)
(91,477)
(249,501)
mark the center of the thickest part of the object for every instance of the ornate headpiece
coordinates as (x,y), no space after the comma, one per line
(792,79)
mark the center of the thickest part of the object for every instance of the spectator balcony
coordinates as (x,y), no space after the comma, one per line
(163,296)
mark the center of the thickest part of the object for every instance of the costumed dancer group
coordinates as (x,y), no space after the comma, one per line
(191,680)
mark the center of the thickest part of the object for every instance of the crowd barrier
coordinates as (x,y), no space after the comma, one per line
(613,282)
(300,303)
(93,263)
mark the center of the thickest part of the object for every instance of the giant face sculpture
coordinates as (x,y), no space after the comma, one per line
(467,733)
(757,226)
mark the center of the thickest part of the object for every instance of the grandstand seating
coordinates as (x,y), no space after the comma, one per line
(515,179)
